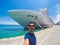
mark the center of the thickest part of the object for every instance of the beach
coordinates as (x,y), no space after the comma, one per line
(49,36)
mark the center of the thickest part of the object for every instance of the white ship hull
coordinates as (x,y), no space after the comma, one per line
(23,17)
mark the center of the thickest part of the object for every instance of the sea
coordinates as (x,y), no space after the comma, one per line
(7,31)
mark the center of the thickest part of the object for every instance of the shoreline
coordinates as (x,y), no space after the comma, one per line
(20,34)
(19,39)
(14,40)
(49,36)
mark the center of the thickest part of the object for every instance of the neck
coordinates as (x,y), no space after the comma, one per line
(31,32)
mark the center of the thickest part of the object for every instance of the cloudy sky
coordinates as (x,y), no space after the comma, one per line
(53,7)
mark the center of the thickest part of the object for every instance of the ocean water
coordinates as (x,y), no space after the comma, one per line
(7,31)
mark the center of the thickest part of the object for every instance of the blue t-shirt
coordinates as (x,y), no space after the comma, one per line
(31,37)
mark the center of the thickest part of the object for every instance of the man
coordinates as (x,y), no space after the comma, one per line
(30,38)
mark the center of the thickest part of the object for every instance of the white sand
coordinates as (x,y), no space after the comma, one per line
(50,36)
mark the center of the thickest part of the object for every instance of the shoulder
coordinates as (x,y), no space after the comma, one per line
(27,34)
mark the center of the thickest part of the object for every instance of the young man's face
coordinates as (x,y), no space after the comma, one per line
(31,27)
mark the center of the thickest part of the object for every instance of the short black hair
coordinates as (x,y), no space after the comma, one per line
(30,23)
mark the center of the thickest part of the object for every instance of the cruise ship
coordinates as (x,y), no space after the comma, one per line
(40,17)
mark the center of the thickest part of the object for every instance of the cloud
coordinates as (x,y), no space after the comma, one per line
(7,20)
(9,23)
(57,19)
(57,8)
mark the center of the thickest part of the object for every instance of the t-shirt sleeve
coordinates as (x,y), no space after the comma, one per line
(26,37)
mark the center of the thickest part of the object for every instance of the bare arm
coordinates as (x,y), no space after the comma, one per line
(26,42)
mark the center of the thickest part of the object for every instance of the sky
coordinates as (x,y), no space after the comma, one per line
(53,7)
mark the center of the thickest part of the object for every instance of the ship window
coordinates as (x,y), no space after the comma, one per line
(36,17)
(30,16)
